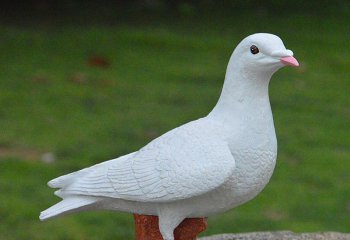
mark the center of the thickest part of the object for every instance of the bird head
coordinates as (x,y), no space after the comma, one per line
(261,53)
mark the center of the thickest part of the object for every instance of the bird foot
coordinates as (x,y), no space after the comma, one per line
(147,228)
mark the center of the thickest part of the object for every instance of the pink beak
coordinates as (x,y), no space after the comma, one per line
(291,61)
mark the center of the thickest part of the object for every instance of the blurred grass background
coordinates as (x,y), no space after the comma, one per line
(86,81)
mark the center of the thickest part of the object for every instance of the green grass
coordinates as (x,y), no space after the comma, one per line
(162,75)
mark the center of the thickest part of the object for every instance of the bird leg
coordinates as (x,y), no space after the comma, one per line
(147,228)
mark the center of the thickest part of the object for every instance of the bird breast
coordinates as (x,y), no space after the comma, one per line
(254,168)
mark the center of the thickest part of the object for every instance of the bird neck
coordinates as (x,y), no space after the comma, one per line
(244,92)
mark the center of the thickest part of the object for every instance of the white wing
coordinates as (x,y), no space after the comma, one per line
(185,162)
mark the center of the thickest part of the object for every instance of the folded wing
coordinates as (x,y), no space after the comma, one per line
(183,163)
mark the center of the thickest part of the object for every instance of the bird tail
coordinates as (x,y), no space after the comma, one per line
(67,179)
(66,206)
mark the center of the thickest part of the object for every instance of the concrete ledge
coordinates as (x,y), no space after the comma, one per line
(282,235)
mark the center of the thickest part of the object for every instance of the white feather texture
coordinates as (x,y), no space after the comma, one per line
(201,168)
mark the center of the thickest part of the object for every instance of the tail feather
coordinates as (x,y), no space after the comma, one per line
(67,179)
(73,203)
(67,206)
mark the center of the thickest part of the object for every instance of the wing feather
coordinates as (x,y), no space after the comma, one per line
(183,163)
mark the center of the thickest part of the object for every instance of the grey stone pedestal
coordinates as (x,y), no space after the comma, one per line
(283,235)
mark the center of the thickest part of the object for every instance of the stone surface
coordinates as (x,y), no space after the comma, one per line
(147,228)
(283,235)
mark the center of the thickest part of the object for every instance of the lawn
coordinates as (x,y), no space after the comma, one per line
(160,75)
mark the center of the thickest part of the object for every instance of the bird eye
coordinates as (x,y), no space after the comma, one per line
(254,49)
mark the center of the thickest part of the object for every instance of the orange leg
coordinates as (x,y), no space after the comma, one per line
(147,228)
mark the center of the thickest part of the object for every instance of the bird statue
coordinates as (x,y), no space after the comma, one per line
(203,167)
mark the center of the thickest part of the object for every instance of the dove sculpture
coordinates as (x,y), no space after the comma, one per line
(201,168)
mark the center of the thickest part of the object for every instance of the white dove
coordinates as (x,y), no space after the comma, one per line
(204,167)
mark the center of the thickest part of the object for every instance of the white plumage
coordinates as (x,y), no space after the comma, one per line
(203,167)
